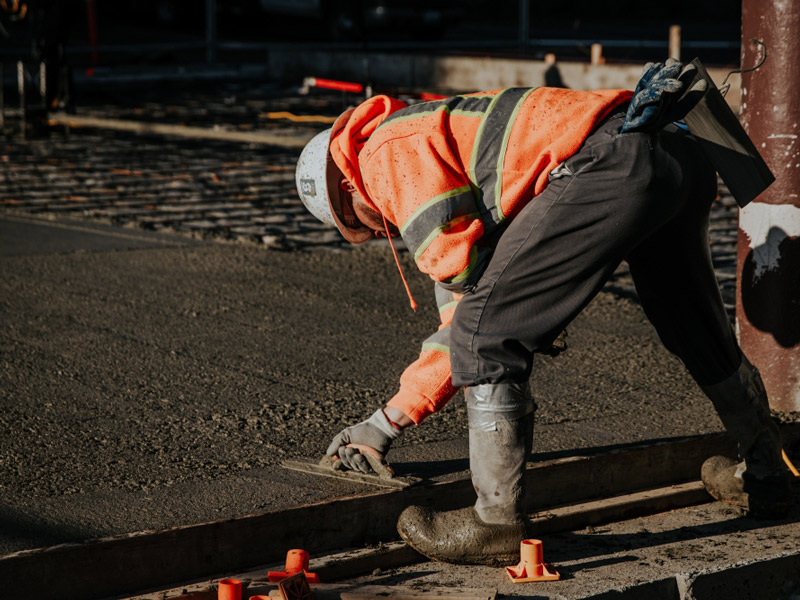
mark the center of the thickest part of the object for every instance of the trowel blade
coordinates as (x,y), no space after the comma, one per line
(327,470)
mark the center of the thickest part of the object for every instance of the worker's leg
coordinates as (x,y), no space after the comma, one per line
(500,440)
(759,484)
(553,258)
(675,280)
(559,251)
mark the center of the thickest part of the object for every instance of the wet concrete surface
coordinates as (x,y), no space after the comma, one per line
(146,387)
(158,363)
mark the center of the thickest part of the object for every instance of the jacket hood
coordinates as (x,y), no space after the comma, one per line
(352,131)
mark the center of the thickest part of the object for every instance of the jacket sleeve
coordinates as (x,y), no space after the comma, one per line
(417,183)
(425,386)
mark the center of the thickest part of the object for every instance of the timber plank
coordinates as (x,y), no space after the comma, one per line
(141,127)
(378,592)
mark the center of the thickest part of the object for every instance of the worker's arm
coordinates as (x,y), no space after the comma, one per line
(425,386)
(424,389)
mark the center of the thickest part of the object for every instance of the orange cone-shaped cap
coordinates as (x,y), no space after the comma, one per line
(296,561)
(229,589)
(531,566)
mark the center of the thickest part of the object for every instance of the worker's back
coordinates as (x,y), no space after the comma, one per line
(450,171)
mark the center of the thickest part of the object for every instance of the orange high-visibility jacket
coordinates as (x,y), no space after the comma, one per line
(449,174)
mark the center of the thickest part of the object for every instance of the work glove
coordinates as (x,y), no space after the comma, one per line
(376,433)
(661,97)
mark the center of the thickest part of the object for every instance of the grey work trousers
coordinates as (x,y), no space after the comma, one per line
(633,196)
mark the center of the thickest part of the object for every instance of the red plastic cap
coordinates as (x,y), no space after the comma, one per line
(296,561)
(229,589)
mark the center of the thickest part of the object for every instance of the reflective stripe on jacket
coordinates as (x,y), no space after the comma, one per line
(450,173)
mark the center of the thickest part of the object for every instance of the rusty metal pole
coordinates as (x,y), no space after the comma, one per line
(768,270)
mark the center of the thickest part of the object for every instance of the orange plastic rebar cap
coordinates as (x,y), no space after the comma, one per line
(296,561)
(531,566)
(229,589)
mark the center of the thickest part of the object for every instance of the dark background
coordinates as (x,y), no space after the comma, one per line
(629,30)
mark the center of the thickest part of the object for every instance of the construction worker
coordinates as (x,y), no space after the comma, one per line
(520,204)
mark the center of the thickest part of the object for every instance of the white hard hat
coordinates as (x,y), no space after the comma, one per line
(317,178)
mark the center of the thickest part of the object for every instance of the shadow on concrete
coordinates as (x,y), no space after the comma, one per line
(25,531)
(577,546)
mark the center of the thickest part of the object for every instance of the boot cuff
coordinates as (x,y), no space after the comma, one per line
(491,402)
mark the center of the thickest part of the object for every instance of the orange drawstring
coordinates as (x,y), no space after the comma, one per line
(397,262)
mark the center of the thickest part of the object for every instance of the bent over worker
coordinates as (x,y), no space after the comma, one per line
(520,204)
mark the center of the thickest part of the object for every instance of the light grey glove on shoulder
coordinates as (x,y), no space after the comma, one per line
(376,432)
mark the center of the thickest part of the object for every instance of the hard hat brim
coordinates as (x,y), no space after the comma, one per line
(353,234)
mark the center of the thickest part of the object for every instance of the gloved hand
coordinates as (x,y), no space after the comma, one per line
(660,97)
(376,433)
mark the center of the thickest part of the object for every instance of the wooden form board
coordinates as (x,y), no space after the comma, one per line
(126,563)
(375,592)
(296,141)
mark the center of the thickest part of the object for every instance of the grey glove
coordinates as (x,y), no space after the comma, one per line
(376,432)
(661,98)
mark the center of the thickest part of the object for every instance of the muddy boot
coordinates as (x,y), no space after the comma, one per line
(760,484)
(500,440)
(764,498)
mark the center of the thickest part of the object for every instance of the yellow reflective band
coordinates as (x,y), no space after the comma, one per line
(448,306)
(432,235)
(431,202)
(473,260)
(436,348)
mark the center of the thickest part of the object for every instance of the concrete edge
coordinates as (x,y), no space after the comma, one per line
(777,578)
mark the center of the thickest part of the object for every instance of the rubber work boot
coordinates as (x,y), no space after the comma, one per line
(760,484)
(500,441)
